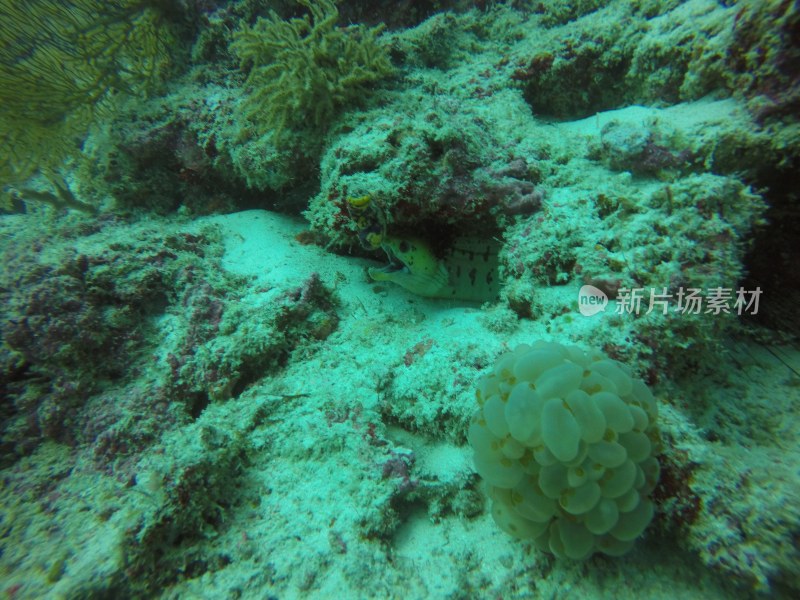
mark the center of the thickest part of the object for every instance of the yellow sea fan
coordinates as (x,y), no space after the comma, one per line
(60,65)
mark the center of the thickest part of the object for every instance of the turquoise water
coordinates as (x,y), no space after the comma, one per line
(494,300)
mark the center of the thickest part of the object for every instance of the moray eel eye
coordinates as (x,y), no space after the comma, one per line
(405,246)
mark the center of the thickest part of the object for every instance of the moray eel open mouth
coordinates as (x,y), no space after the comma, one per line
(412,265)
(395,263)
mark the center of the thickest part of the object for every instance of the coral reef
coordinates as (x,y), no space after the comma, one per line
(195,147)
(301,72)
(224,349)
(76,321)
(198,404)
(426,172)
(79,323)
(180,152)
(642,199)
(727,479)
(84,366)
(764,56)
(190,496)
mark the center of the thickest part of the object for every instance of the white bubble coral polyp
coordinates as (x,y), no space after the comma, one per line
(565,440)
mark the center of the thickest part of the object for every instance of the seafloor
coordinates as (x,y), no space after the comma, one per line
(206,394)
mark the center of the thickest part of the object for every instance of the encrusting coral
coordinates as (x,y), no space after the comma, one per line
(305,69)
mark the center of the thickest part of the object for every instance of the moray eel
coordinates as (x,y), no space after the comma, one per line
(466,271)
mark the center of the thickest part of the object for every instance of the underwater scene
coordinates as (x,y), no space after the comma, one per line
(361,299)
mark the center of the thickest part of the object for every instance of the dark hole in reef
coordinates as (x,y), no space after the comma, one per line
(195,568)
(771,263)
(196,403)
(253,370)
(577,89)
(437,149)
(156,304)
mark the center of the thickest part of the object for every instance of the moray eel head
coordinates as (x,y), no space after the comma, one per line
(413,266)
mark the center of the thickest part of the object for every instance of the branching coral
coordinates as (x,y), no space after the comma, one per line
(302,71)
(60,63)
